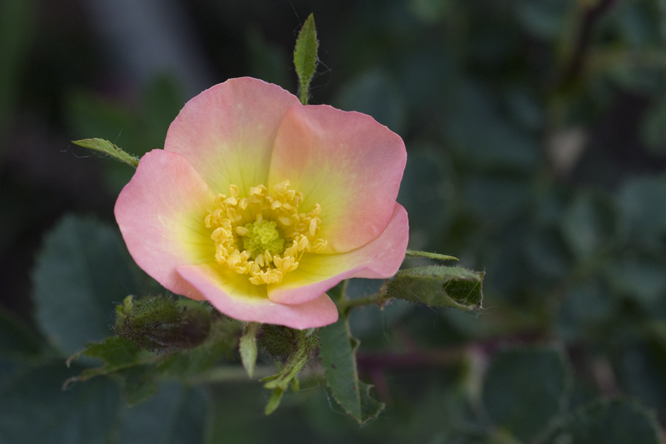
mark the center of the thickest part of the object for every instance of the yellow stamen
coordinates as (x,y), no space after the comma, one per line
(263,234)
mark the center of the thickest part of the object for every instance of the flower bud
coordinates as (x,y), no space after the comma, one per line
(158,323)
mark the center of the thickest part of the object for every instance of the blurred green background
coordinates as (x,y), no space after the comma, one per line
(536,138)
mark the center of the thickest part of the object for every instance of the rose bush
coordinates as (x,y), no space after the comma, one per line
(260,205)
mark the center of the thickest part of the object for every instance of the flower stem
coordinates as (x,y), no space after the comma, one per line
(345,305)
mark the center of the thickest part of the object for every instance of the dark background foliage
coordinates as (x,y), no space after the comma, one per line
(536,136)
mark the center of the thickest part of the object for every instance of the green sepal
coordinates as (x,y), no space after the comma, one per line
(437,256)
(305,57)
(304,345)
(274,401)
(106,147)
(138,370)
(248,347)
(439,286)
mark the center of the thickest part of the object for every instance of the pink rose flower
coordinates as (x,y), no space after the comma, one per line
(260,205)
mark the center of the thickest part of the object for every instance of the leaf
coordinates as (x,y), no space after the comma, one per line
(589,225)
(585,308)
(139,384)
(139,369)
(525,388)
(653,128)
(117,354)
(82,272)
(640,277)
(267,60)
(428,192)
(16,339)
(248,347)
(176,415)
(544,19)
(500,146)
(615,421)
(439,286)
(106,147)
(338,356)
(374,93)
(642,214)
(35,409)
(305,57)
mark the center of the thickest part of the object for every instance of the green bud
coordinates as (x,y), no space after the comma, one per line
(158,323)
(439,286)
(282,342)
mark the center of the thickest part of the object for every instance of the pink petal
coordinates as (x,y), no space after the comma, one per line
(227,132)
(317,273)
(234,296)
(345,161)
(161,214)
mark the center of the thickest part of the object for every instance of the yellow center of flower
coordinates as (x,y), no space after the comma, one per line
(263,234)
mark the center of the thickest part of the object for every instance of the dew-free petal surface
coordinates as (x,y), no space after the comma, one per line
(316,273)
(235,296)
(161,214)
(345,161)
(227,132)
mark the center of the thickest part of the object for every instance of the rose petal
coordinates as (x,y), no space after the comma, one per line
(161,214)
(345,161)
(317,273)
(227,132)
(235,296)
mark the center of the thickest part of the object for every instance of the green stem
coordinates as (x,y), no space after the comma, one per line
(303,94)
(345,305)
(233,373)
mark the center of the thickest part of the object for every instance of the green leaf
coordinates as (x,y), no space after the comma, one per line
(428,192)
(248,347)
(589,225)
(616,421)
(121,359)
(338,356)
(117,354)
(16,339)
(653,128)
(35,409)
(500,146)
(642,214)
(584,309)
(106,147)
(267,60)
(82,272)
(176,415)
(640,277)
(138,384)
(439,286)
(525,388)
(543,19)
(374,93)
(305,57)
(139,370)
